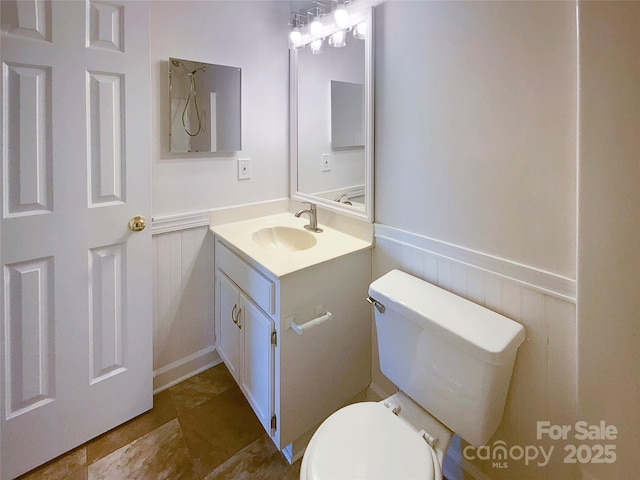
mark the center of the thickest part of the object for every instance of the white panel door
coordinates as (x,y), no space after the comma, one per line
(75,341)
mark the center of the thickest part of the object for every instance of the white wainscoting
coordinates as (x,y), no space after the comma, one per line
(183,289)
(543,385)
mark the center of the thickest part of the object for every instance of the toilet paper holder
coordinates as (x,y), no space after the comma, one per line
(323,316)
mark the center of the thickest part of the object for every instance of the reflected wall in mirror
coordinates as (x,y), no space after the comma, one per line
(332,116)
(204,107)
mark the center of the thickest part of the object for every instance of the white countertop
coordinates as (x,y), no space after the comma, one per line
(330,244)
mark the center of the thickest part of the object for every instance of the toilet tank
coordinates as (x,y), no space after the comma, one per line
(452,356)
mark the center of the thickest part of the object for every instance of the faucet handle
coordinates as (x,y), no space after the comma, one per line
(312,206)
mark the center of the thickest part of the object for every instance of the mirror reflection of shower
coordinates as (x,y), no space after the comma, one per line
(204,107)
(192,96)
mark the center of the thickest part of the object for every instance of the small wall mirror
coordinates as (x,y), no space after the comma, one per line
(204,107)
(347,114)
(331,100)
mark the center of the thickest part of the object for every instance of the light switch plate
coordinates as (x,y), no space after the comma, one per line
(326,162)
(244,168)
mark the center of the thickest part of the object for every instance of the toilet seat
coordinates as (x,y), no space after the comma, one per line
(368,441)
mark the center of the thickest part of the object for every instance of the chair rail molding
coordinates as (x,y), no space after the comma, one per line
(181,221)
(528,276)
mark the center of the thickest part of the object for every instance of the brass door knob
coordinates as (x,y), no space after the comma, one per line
(137,224)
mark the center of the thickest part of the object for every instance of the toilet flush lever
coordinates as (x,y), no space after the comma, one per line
(376,304)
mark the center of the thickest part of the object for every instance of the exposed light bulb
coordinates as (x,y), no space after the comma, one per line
(316,27)
(360,31)
(296,37)
(316,46)
(341,16)
(337,39)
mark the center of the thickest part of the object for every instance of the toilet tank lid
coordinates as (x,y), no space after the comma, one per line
(481,332)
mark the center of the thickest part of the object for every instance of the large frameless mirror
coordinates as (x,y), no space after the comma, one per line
(331,98)
(204,107)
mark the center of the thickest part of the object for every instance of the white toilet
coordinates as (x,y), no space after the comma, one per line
(452,361)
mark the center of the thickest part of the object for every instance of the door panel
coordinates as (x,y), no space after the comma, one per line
(107,311)
(258,360)
(76,296)
(30,360)
(228,304)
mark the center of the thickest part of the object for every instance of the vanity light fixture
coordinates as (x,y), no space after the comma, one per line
(316,46)
(340,14)
(295,36)
(337,39)
(316,28)
(313,25)
(360,31)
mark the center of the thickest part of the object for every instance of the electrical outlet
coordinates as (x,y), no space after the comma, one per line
(244,168)
(326,162)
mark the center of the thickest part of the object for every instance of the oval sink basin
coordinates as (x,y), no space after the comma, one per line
(284,238)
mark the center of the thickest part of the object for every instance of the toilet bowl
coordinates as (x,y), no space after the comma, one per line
(391,439)
(452,361)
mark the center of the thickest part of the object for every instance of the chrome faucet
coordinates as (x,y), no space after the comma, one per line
(313,217)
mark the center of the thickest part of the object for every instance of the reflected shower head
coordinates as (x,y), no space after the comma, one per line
(180,63)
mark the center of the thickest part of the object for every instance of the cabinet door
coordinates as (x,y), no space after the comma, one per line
(227,312)
(258,365)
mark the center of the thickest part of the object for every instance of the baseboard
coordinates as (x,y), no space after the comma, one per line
(377,393)
(187,367)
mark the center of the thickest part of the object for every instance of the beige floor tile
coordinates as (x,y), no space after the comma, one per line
(72,466)
(258,461)
(200,388)
(160,454)
(218,429)
(202,424)
(162,412)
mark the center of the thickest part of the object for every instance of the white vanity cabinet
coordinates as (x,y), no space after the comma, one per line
(293,381)
(246,346)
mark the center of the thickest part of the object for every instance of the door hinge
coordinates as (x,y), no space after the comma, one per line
(274,338)
(274,422)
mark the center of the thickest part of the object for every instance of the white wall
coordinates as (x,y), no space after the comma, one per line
(251,35)
(475,126)
(609,228)
(476,185)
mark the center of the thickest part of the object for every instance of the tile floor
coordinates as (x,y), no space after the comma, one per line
(202,428)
